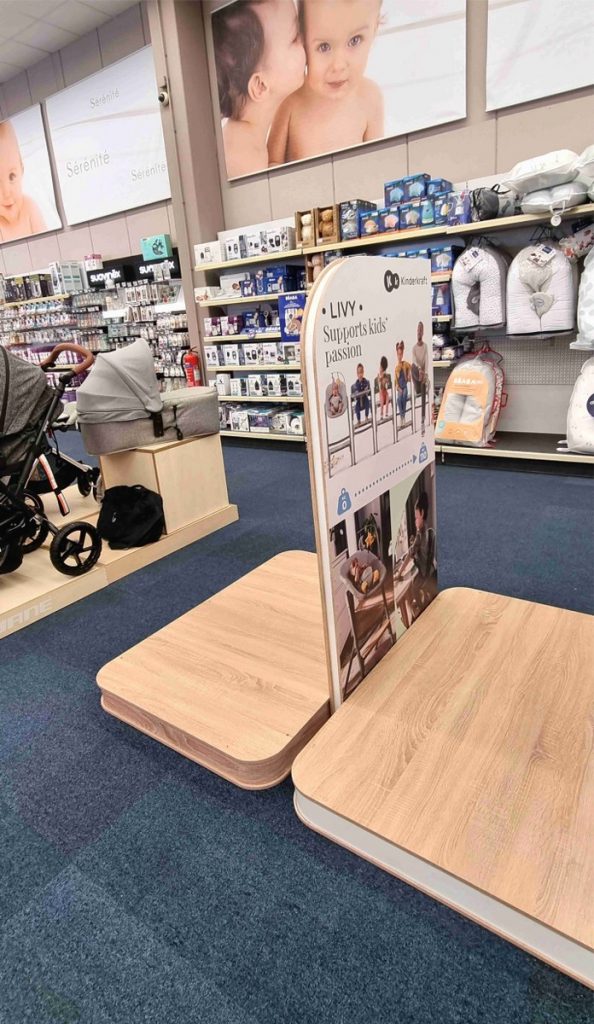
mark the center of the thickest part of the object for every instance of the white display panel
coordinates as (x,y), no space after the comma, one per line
(538,48)
(27,199)
(108,142)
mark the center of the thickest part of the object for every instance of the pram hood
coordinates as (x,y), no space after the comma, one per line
(24,395)
(122,386)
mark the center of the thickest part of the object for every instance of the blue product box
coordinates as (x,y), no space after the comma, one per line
(442,204)
(248,286)
(156,247)
(280,279)
(369,223)
(390,219)
(393,192)
(441,300)
(260,279)
(427,212)
(410,215)
(422,254)
(415,185)
(349,216)
(437,185)
(444,257)
(290,310)
(460,209)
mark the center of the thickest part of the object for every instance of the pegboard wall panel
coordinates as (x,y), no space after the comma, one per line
(534,361)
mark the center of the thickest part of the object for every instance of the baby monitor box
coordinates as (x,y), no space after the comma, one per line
(255,385)
(410,214)
(260,419)
(290,310)
(211,354)
(293,381)
(209,252)
(253,243)
(236,247)
(238,386)
(261,284)
(252,353)
(349,216)
(435,186)
(275,384)
(248,286)
(240,419)
(156,247)
(460,209)
(297,423)
(271,352)
(280,422)
(224,416)
(223,384)
(291,352)
(280,279)
(233,355)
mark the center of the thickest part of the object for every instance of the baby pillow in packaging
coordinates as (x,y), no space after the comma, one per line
(585,311)
(472,399)
(580,415)
(584,165)
(561,197)
(543,171)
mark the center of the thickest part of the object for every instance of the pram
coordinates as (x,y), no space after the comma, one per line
(119,406)
(29,409)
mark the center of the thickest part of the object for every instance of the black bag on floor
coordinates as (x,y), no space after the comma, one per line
(131,517)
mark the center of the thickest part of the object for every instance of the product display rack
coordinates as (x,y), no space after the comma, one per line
(509,444)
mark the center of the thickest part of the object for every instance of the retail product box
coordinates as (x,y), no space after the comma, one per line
(370,223)
(209,252)
(248,286)
(231,325)
(326,224)
(212,326)
(280,279)
(240,419)
(253,242)
(236,248)
(224,414)
(288,239)
(260,419)
(223,384)
(207,291)
(291,351)
(156,247)
(349,216)
(437,186)
(67,277)
(297,423)
(413,186)
(252,353)
(390,219)
(460,209)
(278,239)
(442,204)
(291,308)
(293,381)
(212,356)
(276,385)
(271,352)
(256,385)
(239,388)
(410,214)
(231,283)
(233,355)
(427,212)
(444,257)
(261,282)
(441,300)
(280,422)
(304,227)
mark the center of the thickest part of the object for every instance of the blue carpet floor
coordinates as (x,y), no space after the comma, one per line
(137,887)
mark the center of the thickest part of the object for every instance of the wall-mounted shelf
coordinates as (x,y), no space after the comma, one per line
(262,399)
(255,367)
(512,445)
(258,435)
(271,257)
(443,364)
(29,302)
(441,278)
(242,301)
(230,339)
(442,319)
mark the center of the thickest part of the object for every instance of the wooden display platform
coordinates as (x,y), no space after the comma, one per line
(465,765)
(239,683)
(36,589)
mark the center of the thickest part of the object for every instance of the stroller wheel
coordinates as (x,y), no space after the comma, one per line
(75,549)
(85,484)
(11,556)
(35,531)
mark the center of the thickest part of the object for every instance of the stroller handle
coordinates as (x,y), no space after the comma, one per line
(75,368)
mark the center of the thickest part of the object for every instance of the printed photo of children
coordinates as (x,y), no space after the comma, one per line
(297,79)
(414,549)
(27,204)
(420,376)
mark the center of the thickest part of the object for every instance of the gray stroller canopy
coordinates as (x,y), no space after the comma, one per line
(122,386)
(24,398)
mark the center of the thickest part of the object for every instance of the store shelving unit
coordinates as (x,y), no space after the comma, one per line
(257,435)
(510,445)
(525,443)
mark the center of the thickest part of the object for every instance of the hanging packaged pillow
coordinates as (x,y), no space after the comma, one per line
(478,287)
(541,290)
(580,415)
(472,401)
(585,310)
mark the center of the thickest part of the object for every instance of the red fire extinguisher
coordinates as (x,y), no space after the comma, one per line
(191,365)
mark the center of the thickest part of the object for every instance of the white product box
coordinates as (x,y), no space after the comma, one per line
(281,422)
(236,248)
(252,353)
(271,352)
(255,385)
(223,416)
(297,423)
(223,384)
(233,355)
(209,252)
(231,284)
(238,387)
(291,352)
(294,385)
(211,354)
(275,384)
(205,292)
(240,419)
(253,243)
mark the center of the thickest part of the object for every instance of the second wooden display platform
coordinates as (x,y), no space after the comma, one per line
(238,684)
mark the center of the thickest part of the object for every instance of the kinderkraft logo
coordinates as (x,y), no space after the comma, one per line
(391,281)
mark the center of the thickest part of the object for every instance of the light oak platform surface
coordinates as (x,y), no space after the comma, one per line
(36,589)
(239,683)
(465,764)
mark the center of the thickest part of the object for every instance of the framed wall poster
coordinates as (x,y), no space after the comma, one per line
(27,198)
(108,141)
(298,81)
(369,394)
(537,48)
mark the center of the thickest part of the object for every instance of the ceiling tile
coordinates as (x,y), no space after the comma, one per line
(19,54)
(75,17)
(38,8)
(110,7)
(13,20)
(46,37)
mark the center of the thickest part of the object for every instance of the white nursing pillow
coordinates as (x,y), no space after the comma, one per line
(478,287)
(544,171)
(584,164)
(560,197)
(541,297)
(585,312)
(580,414)
(591,192)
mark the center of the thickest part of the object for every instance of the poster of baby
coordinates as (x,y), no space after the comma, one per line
(297,79)
(27,199)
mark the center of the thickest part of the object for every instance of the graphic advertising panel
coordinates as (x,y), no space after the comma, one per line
(27,200)
(369,394)
(108,140)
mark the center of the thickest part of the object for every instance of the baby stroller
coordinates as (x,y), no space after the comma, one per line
(29,409)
